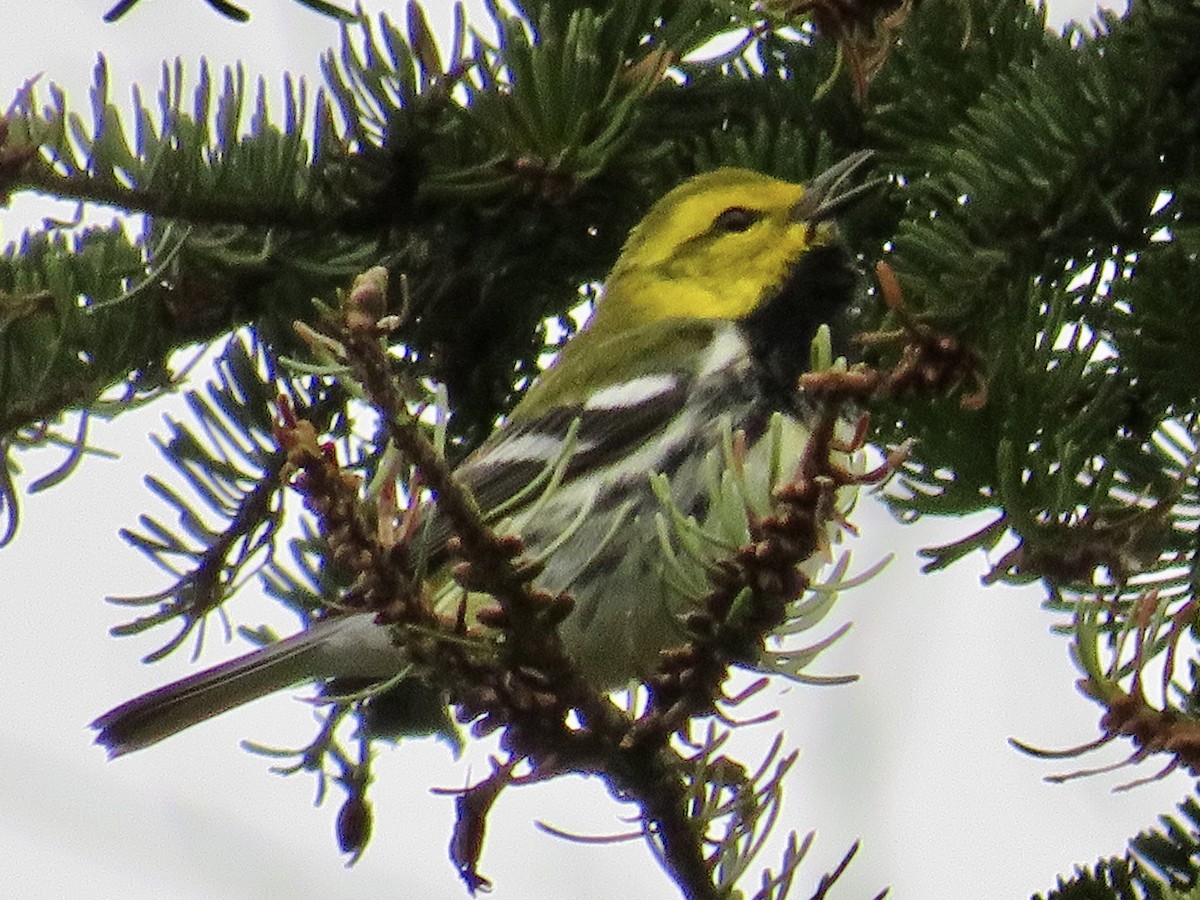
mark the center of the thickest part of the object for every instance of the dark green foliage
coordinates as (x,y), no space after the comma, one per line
(41,282)
(1027,222)
(1111,879)
(1041,211)
(1174,852)
(1162,865)
(231,464)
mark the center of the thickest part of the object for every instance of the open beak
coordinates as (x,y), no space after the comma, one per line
(833,190)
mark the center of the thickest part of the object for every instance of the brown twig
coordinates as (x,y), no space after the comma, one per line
(534,687)
(333,497)
(864,30)
(14,159)
(930,361)
(1129,713)
(688,681)
(525,683)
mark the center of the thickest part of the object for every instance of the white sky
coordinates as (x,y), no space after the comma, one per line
(912,758)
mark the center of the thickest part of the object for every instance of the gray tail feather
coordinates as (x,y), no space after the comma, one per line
(150,718)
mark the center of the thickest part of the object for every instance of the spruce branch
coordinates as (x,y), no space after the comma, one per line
(1154,626)
(515,675)
(190,164)
(536,686)
(232,507)
(1044,239)
(865,31)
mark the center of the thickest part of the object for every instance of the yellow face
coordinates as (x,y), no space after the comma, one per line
(712,248)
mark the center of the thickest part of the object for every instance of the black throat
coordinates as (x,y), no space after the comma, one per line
(781,329)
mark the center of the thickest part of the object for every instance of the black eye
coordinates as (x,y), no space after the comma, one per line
(735,219)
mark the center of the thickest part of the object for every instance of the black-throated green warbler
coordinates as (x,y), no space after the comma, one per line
(704,325)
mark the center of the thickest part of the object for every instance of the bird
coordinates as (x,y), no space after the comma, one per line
(707,316)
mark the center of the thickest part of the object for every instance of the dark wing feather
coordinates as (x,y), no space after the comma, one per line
(519,453)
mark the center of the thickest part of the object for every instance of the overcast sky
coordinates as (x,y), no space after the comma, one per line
(913,758)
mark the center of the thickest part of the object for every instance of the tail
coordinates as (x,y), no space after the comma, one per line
(341,646)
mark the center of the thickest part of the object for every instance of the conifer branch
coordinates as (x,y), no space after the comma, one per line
(526,684)
(1042,229)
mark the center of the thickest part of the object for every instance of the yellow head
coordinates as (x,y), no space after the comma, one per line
(717,245)
(727,245)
